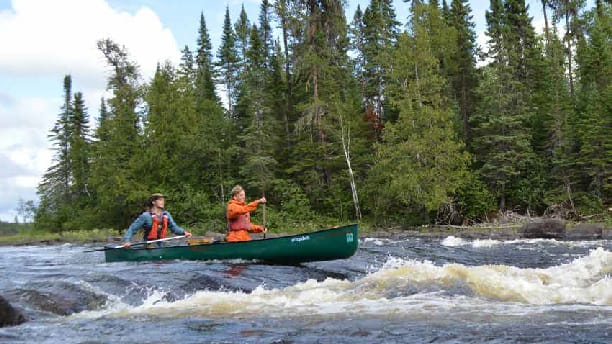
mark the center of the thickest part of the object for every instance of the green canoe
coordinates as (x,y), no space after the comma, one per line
(328,244)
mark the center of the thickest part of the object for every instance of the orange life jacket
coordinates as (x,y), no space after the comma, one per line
(156,232)
(240,222)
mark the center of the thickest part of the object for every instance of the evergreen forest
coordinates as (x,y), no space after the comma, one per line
(336,118)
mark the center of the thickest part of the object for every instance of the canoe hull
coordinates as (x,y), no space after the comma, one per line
(329,244)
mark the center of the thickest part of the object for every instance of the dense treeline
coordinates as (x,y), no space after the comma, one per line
(334,119)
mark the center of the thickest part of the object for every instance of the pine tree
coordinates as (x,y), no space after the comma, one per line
(324,93)
(228,62)
(242,29)
(205,85)
(502,142)
(212,142)
(117,186)
(420,163)
(54,190)
(259,165)
(187,69)
(79,148)
(379,35)
(569,10)
(64,189)
(552,135)
(446,11)
(462,68)
(184,137)
(265,29)
(103,111)
(278,95)
(163,132)
(61,134)
(521,45)
(594,101)
(356,31)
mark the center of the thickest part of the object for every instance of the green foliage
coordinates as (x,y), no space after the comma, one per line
(460,63)
(55,188)
(588,203)
(594,104)
(194,208)
(501,141)
(406,107)
(204,83)
(291,200)
(8,229)
(228,61)
(420,164)
(474,200)
(118,148)
(376,33)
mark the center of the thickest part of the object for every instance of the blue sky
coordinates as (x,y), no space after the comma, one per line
(43,40)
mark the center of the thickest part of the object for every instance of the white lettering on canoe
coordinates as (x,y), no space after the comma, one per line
(302,238)
(349,237)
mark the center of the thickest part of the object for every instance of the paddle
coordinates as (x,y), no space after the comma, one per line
(264,220)
(136,243)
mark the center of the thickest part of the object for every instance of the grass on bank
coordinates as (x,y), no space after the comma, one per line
(33,236)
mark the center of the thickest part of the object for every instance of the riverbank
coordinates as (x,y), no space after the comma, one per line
(537,228)
(33,237)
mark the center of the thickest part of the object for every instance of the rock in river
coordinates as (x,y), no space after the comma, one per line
(9,316)
(546,229)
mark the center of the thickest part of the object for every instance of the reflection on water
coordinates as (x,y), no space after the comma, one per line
(235,269)
(393,290)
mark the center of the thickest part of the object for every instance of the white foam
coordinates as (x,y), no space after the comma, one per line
(402,288)
(452,241)
(584,280)
(485,243)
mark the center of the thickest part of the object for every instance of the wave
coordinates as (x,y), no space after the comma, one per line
(585,280)
(452,241)
(400,287)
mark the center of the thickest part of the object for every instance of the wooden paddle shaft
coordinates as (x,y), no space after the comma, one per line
(264,219)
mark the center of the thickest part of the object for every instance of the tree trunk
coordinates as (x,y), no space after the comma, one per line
(546,29)
(346,146)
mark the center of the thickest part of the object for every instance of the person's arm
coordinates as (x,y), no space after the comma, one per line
(175,228)
(234,209)
(257,229)
(134,227)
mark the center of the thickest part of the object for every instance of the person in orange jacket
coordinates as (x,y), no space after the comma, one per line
(239,216)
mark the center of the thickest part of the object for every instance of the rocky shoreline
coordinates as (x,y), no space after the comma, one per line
(539,229)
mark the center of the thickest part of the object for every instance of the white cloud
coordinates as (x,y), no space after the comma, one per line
(59,37)
(16,182)
(24,153)
(41,42)
(29,112)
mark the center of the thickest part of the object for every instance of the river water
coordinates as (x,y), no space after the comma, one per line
(400,290)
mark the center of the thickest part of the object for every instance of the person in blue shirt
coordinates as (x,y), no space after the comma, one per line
(156,222)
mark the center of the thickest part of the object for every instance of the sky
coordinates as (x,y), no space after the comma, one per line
(41,41)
